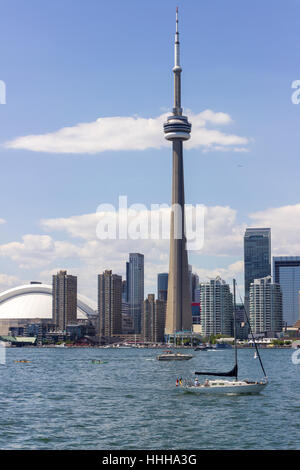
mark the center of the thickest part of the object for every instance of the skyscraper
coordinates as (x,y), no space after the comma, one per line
(154,313)
(109,305)
(124,292)
(257,257)
(265,306)
(135,288)
(216,308)
(177,129)
(162,286)
(64,299)
(286,272)
(194,283)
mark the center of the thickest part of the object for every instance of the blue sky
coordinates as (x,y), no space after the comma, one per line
(69,62)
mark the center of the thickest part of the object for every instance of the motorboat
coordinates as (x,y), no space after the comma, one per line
(201,347)
(173,356)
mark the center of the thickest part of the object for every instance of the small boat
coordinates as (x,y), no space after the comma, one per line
(23,360)
(173,356)
(224,386)
(201,348)
(98,361)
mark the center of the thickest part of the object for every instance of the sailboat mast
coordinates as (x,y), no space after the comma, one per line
(234,327)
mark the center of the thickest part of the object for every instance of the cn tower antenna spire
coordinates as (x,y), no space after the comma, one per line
(177,71)
(177,43)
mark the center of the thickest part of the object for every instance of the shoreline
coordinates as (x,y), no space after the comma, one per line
(139,347)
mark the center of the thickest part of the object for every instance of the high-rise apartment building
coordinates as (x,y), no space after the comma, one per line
(154,316)
(109,305)
(216,308)
(257,257)
(135,288)
(64,299)
(286,272)
(265,306)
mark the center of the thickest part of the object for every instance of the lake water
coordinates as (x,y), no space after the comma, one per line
(61,400)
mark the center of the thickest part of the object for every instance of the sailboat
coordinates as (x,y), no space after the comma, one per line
(225,386)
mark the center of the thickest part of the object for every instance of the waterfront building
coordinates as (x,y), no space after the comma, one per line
(64,304)
(242,326)
(177,130)
(127,324)
(257,257)
(32,303)
(216,308)
(197,294)
(286,272)
(162,286)
(135,288)
(109,305)
(297,324)
(194,283)
(196,313)
(125,308)
(265,306)
(154,313)
(124,292)
(240,313)
(78,331)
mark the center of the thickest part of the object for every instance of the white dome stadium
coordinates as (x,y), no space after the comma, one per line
(34,301)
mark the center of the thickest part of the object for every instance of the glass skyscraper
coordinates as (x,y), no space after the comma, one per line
(162,286)
(135,288)
(286,272)
(257,257)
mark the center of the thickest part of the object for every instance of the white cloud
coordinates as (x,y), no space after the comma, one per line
(37,250)
(7,281)
(84,255)
(232,271)
(285,228)
(130,133)
(222,233)
(223,237)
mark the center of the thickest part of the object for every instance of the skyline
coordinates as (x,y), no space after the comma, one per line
(246,88)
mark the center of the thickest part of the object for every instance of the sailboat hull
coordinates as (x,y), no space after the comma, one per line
(226,387)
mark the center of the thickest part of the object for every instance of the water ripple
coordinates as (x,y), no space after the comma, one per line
(60,400)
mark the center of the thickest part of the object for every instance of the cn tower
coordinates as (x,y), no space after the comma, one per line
(177,129)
